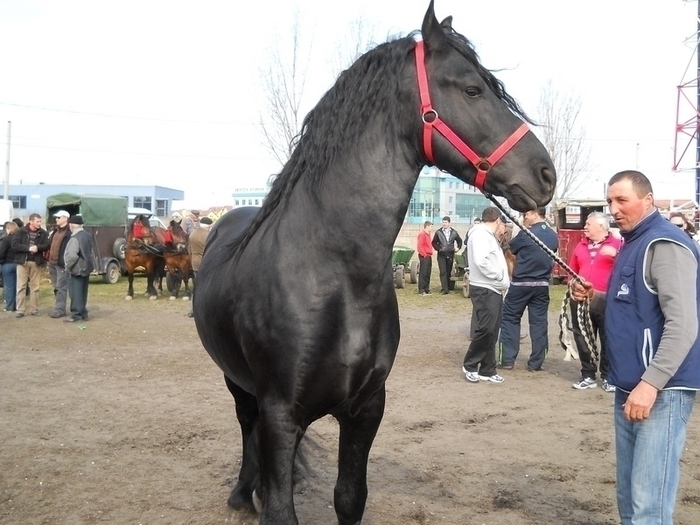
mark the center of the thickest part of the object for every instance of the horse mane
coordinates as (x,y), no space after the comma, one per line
(141,220)
(177,230)
(367,88)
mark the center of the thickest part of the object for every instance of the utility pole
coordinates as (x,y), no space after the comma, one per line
(6,185)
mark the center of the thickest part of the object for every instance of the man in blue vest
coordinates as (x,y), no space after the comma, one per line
(651,328)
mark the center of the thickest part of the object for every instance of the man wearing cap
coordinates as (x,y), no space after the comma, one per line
(57,270)
(29,243)
(80,263)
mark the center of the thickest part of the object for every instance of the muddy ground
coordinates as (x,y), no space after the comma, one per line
(126,420)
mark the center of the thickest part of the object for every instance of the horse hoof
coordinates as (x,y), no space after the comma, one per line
(128,298)
(172,297)
(185,298)
(154,297)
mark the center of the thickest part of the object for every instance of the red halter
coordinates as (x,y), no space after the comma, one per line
(431,121)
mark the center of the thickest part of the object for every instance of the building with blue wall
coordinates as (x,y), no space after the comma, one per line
(31,198)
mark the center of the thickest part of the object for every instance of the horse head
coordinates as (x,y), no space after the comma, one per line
(178,236)
(140,230)
(467,105)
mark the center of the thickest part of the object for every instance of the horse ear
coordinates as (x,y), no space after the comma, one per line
(446,24)
(432,30)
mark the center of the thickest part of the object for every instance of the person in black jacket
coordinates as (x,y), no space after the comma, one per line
(79,263)
(444,242)
(9,267)
(29,243)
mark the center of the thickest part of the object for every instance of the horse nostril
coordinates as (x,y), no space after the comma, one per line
(549,177)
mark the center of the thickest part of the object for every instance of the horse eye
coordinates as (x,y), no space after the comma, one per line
(472,92)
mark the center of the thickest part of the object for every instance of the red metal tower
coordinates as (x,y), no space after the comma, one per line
(688,105)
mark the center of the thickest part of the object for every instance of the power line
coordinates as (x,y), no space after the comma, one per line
(127,117)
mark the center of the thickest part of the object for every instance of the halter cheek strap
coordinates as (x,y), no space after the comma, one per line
(431,121)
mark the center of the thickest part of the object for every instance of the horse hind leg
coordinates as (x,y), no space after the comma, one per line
(241,497)
(357,433)
(130,291)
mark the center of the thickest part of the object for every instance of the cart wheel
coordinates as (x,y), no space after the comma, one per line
(398,277)
(414,272)
(111,275)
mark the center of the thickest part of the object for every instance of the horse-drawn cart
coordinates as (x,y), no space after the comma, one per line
(105,218)
(401,263)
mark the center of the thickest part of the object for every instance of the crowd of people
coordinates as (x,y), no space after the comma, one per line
(642,292)
(66,252)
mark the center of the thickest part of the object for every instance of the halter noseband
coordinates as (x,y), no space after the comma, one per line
(431,121)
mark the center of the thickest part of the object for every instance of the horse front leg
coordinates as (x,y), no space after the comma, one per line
(130,291)
(150,285)
(241,497)
(279,436)
(356,437)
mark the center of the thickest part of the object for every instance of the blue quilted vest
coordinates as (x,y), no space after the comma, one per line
(633,319)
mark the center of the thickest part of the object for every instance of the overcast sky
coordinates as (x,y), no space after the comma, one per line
(167,92)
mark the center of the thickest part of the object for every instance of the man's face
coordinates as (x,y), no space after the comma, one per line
(35,223)
(593,230)
(428,228)
(61,221)
(626,207)
(445,225)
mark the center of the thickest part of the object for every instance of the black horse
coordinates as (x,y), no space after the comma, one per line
(323,339)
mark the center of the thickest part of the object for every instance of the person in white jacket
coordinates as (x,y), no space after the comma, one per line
(488,281)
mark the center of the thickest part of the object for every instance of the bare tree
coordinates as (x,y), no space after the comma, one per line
(564,138)
(358,41)
(283,81)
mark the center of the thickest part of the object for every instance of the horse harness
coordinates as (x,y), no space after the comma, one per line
(432,121)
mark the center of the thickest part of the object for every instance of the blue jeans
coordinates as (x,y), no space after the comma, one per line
(648,458)
(9,275)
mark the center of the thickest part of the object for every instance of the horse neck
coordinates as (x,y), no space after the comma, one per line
(369,192)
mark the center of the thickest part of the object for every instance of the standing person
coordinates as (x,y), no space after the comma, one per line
(9,267)
(425,258)
(444,242)
(57,271)
(80,263)
(488,280)
(678,219)
(195,246)
(593,260)
(28,243)
(651,325)
(529,288)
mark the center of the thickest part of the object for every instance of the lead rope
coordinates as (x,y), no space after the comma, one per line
(583,314)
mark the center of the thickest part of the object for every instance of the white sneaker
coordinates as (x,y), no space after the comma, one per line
(584,383)
(607,386)
(495,378)
(472,377)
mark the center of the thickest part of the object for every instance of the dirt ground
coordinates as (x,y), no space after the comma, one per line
(126,420)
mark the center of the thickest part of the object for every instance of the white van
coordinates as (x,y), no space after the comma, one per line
(152,219)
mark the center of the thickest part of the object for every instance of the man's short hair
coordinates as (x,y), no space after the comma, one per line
(541,211)
(490,214)
(640,182)
(427,223)
(447,218)
(34,216)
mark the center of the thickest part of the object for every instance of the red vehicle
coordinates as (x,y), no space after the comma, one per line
(570,218)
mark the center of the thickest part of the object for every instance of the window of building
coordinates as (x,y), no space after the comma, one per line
(142,202)
(162,207)
(450,199)
(257,202)
(18,201)
(237,202)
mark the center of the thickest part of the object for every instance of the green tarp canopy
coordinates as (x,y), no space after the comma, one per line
(97,210)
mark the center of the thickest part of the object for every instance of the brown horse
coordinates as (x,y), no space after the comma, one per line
(144,248)
(177,260)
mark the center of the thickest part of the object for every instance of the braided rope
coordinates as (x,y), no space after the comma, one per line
(583,311)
